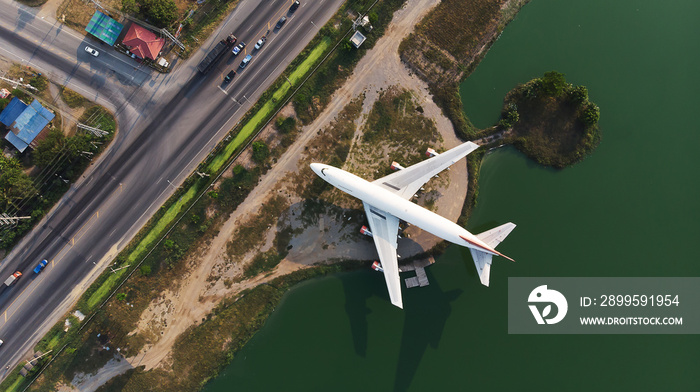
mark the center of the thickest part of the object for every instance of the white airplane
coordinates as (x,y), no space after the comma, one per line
(386,201)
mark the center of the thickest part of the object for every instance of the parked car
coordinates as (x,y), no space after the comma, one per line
(281,22)
(260,43)
(245,61)
(294,6)
(238,48)
(230,76)
(92,51)
(40,266)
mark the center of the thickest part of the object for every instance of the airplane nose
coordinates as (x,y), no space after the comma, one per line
(316,167)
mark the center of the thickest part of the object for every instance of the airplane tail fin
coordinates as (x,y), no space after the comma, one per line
(492,238)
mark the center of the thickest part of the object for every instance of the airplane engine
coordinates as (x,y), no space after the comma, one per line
(396,166)
(431,153)
(364,230)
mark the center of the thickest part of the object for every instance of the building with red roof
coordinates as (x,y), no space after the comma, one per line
(143,42)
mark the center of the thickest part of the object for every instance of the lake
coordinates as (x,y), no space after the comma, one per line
(630,209)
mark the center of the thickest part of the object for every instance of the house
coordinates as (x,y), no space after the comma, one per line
(26,122)
(142,42)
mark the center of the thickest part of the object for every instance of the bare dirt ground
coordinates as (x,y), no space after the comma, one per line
(173,312)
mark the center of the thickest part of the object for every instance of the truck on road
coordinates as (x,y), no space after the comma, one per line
(40,266)
(9,281)
(216,54)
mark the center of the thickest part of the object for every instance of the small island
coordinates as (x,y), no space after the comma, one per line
(550,120)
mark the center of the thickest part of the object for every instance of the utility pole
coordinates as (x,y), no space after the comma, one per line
(115,270)
(18,83)
(95,131)
(11,220)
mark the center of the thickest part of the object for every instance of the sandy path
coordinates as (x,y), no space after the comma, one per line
(380,68)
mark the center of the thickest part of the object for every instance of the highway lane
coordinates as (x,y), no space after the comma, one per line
(177,129)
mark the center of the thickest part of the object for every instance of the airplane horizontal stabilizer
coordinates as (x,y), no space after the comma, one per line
(496,235)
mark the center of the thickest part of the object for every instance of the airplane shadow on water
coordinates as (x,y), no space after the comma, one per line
(423,324)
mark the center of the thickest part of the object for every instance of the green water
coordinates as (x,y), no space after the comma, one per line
(628,210)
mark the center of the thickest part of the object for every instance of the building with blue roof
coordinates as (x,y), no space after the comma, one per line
(12,111)
(25,122)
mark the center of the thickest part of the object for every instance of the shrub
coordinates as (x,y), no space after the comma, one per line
(578,95)
(71,98)
(591,114)
(260,151)
(285,125)
(145,271)
(553,83)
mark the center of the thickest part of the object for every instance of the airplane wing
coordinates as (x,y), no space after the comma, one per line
(407,182)
(385,228)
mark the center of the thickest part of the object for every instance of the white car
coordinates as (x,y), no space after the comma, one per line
(260,43)
(92,51)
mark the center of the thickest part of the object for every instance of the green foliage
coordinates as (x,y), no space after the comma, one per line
(39,82)
(161,13)
(122,296)
(99,117)
(145,271)
(21,95)
(578,95)
(169,244)
(49,148)
(553,83)
(130,7)
(262,263)
(260,151)
(71,98)
(590,114)
(4,102)
(510,117)
(285,124)
(194,219)
(15,185)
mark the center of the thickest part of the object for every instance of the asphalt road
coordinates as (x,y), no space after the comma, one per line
(168,124)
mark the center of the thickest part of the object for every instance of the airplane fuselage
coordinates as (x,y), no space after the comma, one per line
(384,200)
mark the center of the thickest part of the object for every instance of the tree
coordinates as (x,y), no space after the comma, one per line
(591,114)
(49,148)
(15,185)
(260,151)
(553,83)
(285,124)
(160,12)
(130,7)
(578,95)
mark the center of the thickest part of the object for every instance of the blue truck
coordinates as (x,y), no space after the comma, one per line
(40,266)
